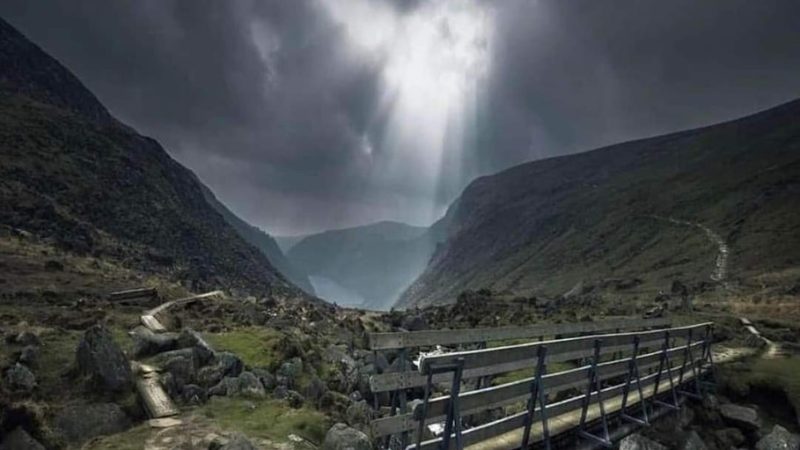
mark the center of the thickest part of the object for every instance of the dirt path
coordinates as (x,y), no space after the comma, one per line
(720,272)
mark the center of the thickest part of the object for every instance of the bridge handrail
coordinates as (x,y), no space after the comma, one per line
(496,396)
(559,349)
(515,421)
(424,338)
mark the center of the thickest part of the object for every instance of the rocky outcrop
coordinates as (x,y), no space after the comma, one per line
(100,358)
(779,439)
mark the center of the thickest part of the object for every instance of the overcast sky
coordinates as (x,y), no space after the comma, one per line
(308,115)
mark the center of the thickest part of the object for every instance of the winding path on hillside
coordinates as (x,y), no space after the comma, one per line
(720,272)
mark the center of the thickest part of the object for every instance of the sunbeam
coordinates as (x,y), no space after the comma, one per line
(434,61)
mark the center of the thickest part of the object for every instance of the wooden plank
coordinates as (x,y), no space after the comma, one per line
(497,396)
(573,347)
(525,359)
(387,341)
(158,319)
(564,416)
(128,294)
(156,401)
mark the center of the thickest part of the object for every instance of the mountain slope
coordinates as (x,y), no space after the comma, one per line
(371,264)
(262,241)
(73,176)
(622,211)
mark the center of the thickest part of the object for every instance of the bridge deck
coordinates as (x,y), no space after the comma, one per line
(571,420)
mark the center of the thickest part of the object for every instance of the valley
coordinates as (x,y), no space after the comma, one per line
(138,311)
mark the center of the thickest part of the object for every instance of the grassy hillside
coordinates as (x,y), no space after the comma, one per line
(78,180)
(633,210)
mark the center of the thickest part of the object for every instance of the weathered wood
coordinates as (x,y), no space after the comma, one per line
(563,416)
(497,396)
(498,360)
(387,341)
(570,348)
(156,401)
(158,318)
(130,294)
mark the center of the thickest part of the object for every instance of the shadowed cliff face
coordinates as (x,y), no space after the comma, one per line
(73,175)
(544,226)
(365,266)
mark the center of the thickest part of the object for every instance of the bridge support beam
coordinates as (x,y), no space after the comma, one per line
(537,396)
(594,383)
(633,374)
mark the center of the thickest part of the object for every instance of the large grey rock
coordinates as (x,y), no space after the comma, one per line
(210,375)
(693,442)
(146,343)
(245,384)
(79,423)
(19,378)
(779,439)
(291,369)
(740,416)
(267,379)
(231,365)
(29,356)
(19,439)
(359,414)
(342,437)
(238,442)
(182,369)
(639,442)
(729,437)
(101,358)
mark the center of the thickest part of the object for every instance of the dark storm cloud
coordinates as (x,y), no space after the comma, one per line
(272,106)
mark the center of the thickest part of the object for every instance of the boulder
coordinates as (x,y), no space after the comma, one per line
(359,414)
(414,323)
(267,379)
(27,338)
(193,394)
(19,378)
(741,417)
(639,442)
(342,437)
(29,356)
(19,439)
(210,375)
(250,385)
(99,357)
(729,437)
(79,423)
(291,369)
(693,442)
(238,442)
(294,399)
(316,389)
(779,439)
(146,343)
(245,384)
(230,364)
(182,370)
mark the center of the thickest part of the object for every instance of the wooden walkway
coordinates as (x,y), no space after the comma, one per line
(570,421)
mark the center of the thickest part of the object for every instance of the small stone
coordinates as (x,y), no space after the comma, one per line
(729,437)
(164,422)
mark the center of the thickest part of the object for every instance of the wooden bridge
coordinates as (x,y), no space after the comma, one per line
(612,377)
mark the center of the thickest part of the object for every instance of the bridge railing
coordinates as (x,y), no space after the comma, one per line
(401,420)
(683,355)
